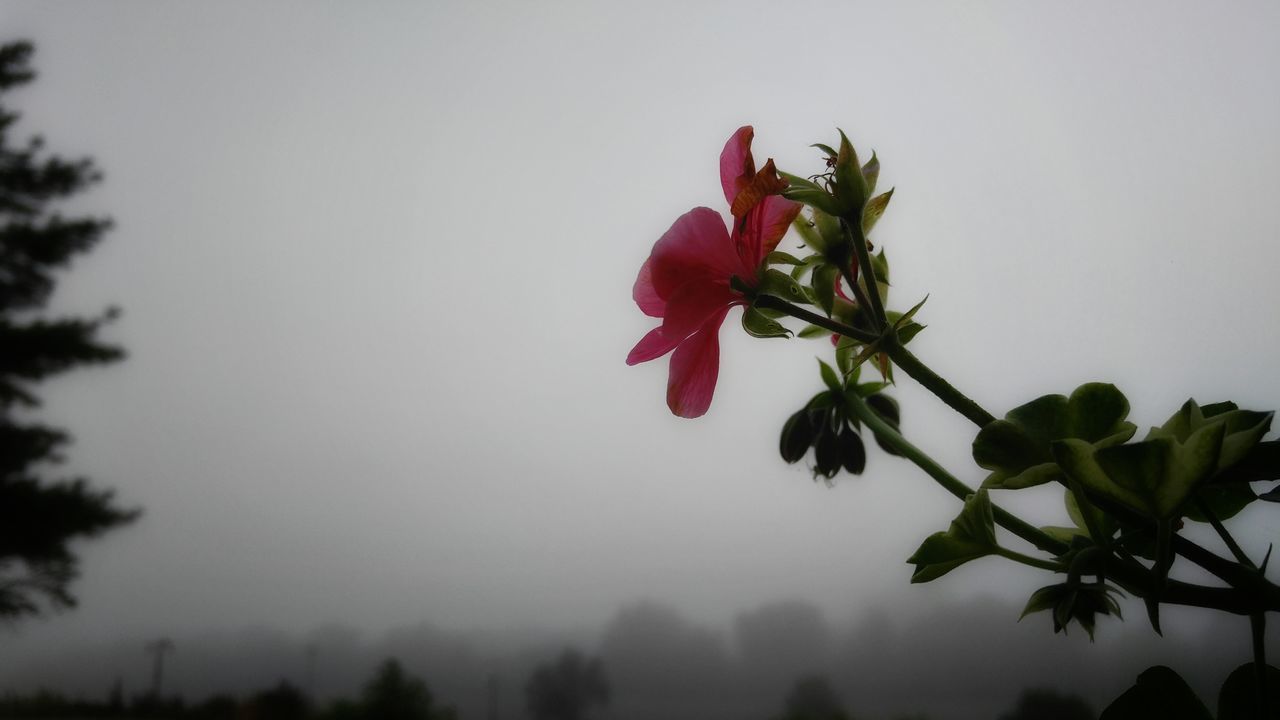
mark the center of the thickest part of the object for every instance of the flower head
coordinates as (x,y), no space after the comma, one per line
(686,280)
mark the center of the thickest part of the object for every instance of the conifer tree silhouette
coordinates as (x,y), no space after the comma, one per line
(39,512)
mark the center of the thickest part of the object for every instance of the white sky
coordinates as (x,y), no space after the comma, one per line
(376,263)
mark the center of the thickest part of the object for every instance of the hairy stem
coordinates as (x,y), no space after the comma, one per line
(775,303)
(1005,519)
(934,383)
(853,232)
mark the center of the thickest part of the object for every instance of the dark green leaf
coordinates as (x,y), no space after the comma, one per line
(1160,693)
(1262,462)
(1154,477)
(757,324)
(886,407)
(831,377)
(1224,500)
(1243,428)
(1238,699)
(1018,449)
(908,332)
(971,535)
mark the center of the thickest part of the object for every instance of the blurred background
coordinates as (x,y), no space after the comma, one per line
(375,267)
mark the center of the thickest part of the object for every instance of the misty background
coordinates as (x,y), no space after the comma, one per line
(375,264)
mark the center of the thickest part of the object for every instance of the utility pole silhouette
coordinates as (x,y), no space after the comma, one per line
(491,688)
(157,649)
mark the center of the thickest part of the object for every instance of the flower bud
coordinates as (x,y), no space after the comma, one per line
(797,436)
(853,456)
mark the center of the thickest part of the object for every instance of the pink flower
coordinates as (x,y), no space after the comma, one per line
(685,281)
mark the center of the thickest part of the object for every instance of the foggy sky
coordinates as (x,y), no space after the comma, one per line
(375,267)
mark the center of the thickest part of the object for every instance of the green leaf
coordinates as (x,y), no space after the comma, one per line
(1259,464)
(1244,428)
(1154,477)
(1018,449)
(1238,699)
(757,324)
(813,331)
(782,285)
(1225,500)
(777,257)
(831,378)
(874,210)
(871,172)
(907,332)
(830,151)
(844,358)
(1089,519)
(906,317)
(824,286)
(1159,693)
(972,535)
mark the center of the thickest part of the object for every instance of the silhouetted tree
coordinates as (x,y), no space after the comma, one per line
(40,514)
(1037,704)
(566,688)
(812,698)
(283,702)
(392,694)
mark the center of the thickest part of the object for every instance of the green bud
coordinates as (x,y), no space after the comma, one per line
(850,185)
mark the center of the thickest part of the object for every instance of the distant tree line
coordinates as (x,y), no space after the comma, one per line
(391,694)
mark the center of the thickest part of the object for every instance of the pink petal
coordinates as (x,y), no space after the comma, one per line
(697,247)
(736,164)
(694,369)
(654,344)
(644,293)
(689,308)
(763,228)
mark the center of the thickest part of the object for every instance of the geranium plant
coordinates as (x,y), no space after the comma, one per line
(1126,497)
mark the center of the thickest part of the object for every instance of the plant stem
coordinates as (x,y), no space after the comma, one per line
(1221,529)
(934,383)
(1028,560)
(1007,520)
(853,232)
(777,303)
(1258,624)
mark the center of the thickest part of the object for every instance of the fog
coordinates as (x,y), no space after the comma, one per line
(376,263)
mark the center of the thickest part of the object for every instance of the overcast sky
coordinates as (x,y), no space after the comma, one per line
(375,263)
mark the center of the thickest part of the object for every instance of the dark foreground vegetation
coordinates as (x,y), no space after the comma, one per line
(571,687)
